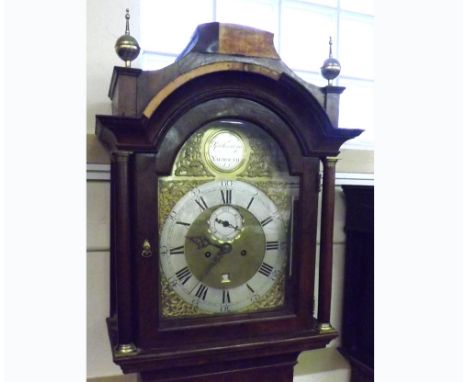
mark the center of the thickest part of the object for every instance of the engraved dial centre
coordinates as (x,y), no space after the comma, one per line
(236,261)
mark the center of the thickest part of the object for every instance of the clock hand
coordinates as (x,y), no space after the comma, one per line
(225,223)
(203,242)
(224,249)
(200,241)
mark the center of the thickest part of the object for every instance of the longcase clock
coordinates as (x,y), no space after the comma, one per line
(214,205)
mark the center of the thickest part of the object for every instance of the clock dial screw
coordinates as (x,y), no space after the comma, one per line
(243,252)
(207,254)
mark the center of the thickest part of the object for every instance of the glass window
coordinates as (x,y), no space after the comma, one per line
(361,6)
(356,45)
(154,61)
(257,14)
(304,29)
(166,26)
(357,108)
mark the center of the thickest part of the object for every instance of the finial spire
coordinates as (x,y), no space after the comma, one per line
(127,26)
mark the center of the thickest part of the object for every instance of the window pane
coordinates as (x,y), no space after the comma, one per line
(357,107)
(356,46)
(152,61)
(166,26)
(330,3)
(312,78)
(305,31)
(363,6)
(260,14)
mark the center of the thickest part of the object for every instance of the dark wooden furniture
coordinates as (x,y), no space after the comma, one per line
(357,337)
(226,71)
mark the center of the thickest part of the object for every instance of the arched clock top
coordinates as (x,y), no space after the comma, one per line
(219,62)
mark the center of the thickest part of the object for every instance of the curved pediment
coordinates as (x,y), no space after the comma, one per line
(224,61)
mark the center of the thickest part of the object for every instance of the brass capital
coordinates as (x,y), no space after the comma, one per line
(325,327)
(125,350)
(330,161)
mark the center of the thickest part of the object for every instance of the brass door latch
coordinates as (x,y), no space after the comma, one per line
(146,252)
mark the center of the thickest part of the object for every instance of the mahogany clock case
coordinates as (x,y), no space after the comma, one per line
(144,148)
(145,169)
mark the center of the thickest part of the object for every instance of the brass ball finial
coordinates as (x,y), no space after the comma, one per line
(331,67)
(126,46)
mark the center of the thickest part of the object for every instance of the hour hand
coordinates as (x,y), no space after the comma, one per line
(202,242)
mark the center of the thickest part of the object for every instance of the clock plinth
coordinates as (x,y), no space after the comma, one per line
(214,207)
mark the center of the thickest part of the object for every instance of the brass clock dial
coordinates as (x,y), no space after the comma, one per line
(222,253)
(225,213)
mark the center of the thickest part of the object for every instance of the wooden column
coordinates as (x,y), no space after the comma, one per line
(122,251)
(326,243)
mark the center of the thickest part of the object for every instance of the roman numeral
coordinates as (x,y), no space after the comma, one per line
(201,203)
(226,195)
(250,203)
(264,222)
(250,288)
(201,291)
(226,297)
(177,250)
(265,269)
(183,223)
(272,245)
(184,275)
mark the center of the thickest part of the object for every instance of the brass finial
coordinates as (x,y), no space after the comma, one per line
(127,47)
(331,67)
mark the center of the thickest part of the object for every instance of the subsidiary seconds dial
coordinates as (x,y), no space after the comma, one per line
(226,223)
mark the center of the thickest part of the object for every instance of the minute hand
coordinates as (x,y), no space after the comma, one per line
(225,223)
(223,249)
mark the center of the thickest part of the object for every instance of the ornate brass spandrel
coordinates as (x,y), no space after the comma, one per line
(273,299)
(266,159)
(172,305)
(190,161)
(279,191)
(170,190)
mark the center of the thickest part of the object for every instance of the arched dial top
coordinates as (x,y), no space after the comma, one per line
(223,246)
